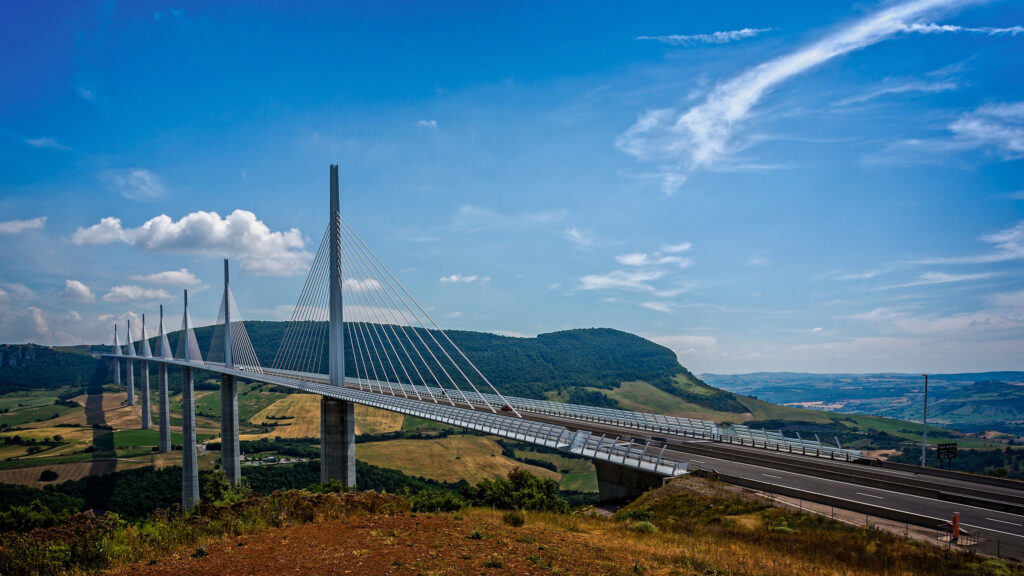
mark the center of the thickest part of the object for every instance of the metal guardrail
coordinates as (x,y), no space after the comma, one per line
(631,454)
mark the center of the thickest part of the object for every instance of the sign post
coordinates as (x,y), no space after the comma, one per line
(946,451)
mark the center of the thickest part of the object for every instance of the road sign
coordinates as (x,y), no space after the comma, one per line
(946,451)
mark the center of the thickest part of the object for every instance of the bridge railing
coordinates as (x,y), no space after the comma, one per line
(686,427)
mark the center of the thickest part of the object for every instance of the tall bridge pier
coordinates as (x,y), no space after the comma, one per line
(189,457)
(164,408)
(131,366)
(117,361)
(337,417)
(229,448)
(147,418)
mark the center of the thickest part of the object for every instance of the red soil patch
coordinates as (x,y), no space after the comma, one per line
(403,544)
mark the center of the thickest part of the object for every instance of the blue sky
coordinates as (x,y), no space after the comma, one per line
(798,186)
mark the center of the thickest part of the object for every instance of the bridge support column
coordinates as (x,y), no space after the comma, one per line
(117,372)
(337,441)
(189,458)
(229,451)
(164,409)
(616,482)
(147,417)
(131,381)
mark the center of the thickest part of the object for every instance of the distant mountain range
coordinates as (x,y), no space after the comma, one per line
(972,402)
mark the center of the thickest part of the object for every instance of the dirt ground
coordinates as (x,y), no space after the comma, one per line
(406,544)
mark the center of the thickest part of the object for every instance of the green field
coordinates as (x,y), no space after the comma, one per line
(21,416)
(580,477)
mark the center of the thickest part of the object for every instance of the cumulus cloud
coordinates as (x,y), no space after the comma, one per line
(723,37)
(75,290)
(427,123)
(674,248)
(355,285)
(656,259)
(238,235)
(702,136)
(180,277)
(19,226)
(464,279)
(131,293)
(135,183)
(46,142)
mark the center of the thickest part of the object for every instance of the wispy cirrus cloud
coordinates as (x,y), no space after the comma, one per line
(702,137)
(929,278)
(723,37)
(581,238)
(135,183)
(464,279)
(19,226)
(46,142)
(475,219)
(1008,244)
(932,28)
(638,280)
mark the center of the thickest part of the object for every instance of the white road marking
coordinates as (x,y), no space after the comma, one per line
(871,496)
(770,476)
(1004,522)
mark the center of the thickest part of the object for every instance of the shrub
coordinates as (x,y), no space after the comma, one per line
(521,491)
(514,518)
(428,500)
(476,534)
(48,475)
(643,527)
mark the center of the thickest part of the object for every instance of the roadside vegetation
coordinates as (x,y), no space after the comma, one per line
(516,525)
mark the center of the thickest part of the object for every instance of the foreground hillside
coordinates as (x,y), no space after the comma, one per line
(509,527)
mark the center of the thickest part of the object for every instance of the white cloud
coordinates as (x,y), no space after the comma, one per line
(238,235)
(180,277)
(817,330)
(135,183)
(427,123)
(642,259)
(675,248)
(929,278)
(72,316)
(46,142)
(932,28)
(1009,245)
(620,279)
(966,325)
(1009,300)
(580,237)
(664,307)
(846,276)
(14,290)
(75,290)
(130,293)
(23,325)
(360,285)
(998,128)
(688,347)
(712,38)
(759,262)
(701,137)
(19,226)
(903,88)
(473,219)
(464,279)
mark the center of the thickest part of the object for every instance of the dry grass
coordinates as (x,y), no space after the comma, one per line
(450,459)
(303,412)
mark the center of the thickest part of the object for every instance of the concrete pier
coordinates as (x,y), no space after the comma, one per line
(229,450)
(131,380)
(337,441)
(147,417)
(189,457)
(616,482)
(164,408)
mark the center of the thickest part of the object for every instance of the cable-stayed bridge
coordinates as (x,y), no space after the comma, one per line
(358,336)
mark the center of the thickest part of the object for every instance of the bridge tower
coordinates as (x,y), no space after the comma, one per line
(164,444)
(189,457)
(117,361)
(130,353)
(229,448)
(337,417)
(144,351)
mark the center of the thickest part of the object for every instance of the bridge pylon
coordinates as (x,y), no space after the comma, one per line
(145,352)
(337,417)
(164,406)
(229,446)
(189,456)
(130,354)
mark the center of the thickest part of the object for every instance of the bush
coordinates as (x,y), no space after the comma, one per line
(521,491)
(643,527)
(514,518)
(48,476)
(427,500)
